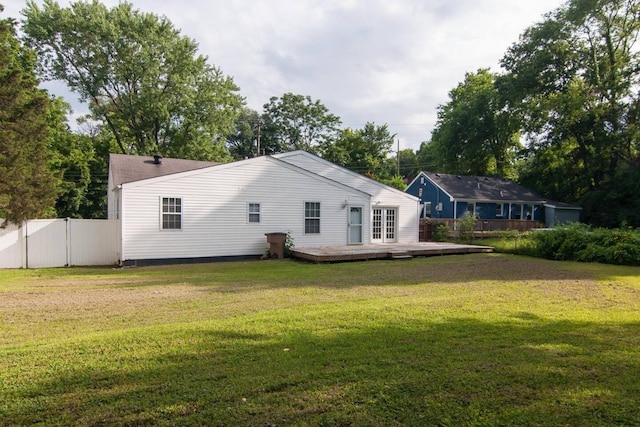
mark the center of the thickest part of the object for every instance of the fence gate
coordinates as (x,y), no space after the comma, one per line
(44,243)
(426,231)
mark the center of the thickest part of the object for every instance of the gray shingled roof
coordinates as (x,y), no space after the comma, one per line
(125,168)
(483,188)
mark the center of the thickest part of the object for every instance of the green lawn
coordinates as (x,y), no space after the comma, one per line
(482,340)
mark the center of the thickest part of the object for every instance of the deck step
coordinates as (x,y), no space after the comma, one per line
(400,255)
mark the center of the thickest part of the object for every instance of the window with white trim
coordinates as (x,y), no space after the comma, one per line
(427,210)
(499,209)
(253,213)
(311,217)
(171,213)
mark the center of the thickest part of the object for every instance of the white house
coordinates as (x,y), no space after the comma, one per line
(394,218)
(174,209)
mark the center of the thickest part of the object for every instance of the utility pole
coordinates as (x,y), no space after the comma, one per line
(258,139)
(398,156)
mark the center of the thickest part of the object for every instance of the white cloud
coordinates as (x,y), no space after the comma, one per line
(385,61)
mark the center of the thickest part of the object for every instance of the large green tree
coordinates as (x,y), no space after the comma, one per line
(27,186)
(362,150)
(244,142)
(409,163)
(427,157)
(474,134)
(141,78)
(297,122)
(574,81)
(70,158)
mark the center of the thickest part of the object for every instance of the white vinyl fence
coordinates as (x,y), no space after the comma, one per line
(43,243)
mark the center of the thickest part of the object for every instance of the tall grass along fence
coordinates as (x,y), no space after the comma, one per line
(44,243)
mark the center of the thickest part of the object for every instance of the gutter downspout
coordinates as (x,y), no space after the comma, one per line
(119,218)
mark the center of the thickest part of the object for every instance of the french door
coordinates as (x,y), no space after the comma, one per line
(385,225)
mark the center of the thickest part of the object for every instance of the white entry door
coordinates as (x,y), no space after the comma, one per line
(355,225)
(385,221)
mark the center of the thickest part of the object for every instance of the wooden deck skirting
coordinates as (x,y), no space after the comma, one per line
(383,251)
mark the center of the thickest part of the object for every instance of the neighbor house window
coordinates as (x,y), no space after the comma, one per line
(171,213)
(471,208)
(254,212)
(427,209)
(312,217)
(499,209)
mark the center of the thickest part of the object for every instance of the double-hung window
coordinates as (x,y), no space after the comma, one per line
(253,213)
(171,217)
(427,210)
(312,217)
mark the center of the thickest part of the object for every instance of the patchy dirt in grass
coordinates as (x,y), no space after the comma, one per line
(87,293)
(497,268)
(81,293)
(71,283)
(46,305)
(51,307)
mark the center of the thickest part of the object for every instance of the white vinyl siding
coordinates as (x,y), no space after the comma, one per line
(214,212)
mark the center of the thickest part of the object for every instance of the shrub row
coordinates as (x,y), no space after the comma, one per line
(579,242)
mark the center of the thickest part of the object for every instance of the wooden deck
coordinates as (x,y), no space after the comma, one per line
(384,251)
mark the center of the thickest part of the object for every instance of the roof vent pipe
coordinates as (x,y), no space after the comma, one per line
(157,159)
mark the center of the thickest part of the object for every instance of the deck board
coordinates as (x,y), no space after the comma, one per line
(384,251)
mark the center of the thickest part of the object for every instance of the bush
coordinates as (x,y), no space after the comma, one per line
(467,226)
(562,243)
(289,246)
(592,253)
(578,242)
(512,242)
(440,232)
(623,254)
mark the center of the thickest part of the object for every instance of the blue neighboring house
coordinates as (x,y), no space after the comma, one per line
(451,196)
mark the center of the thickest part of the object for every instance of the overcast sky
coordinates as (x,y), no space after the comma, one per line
(383,61)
